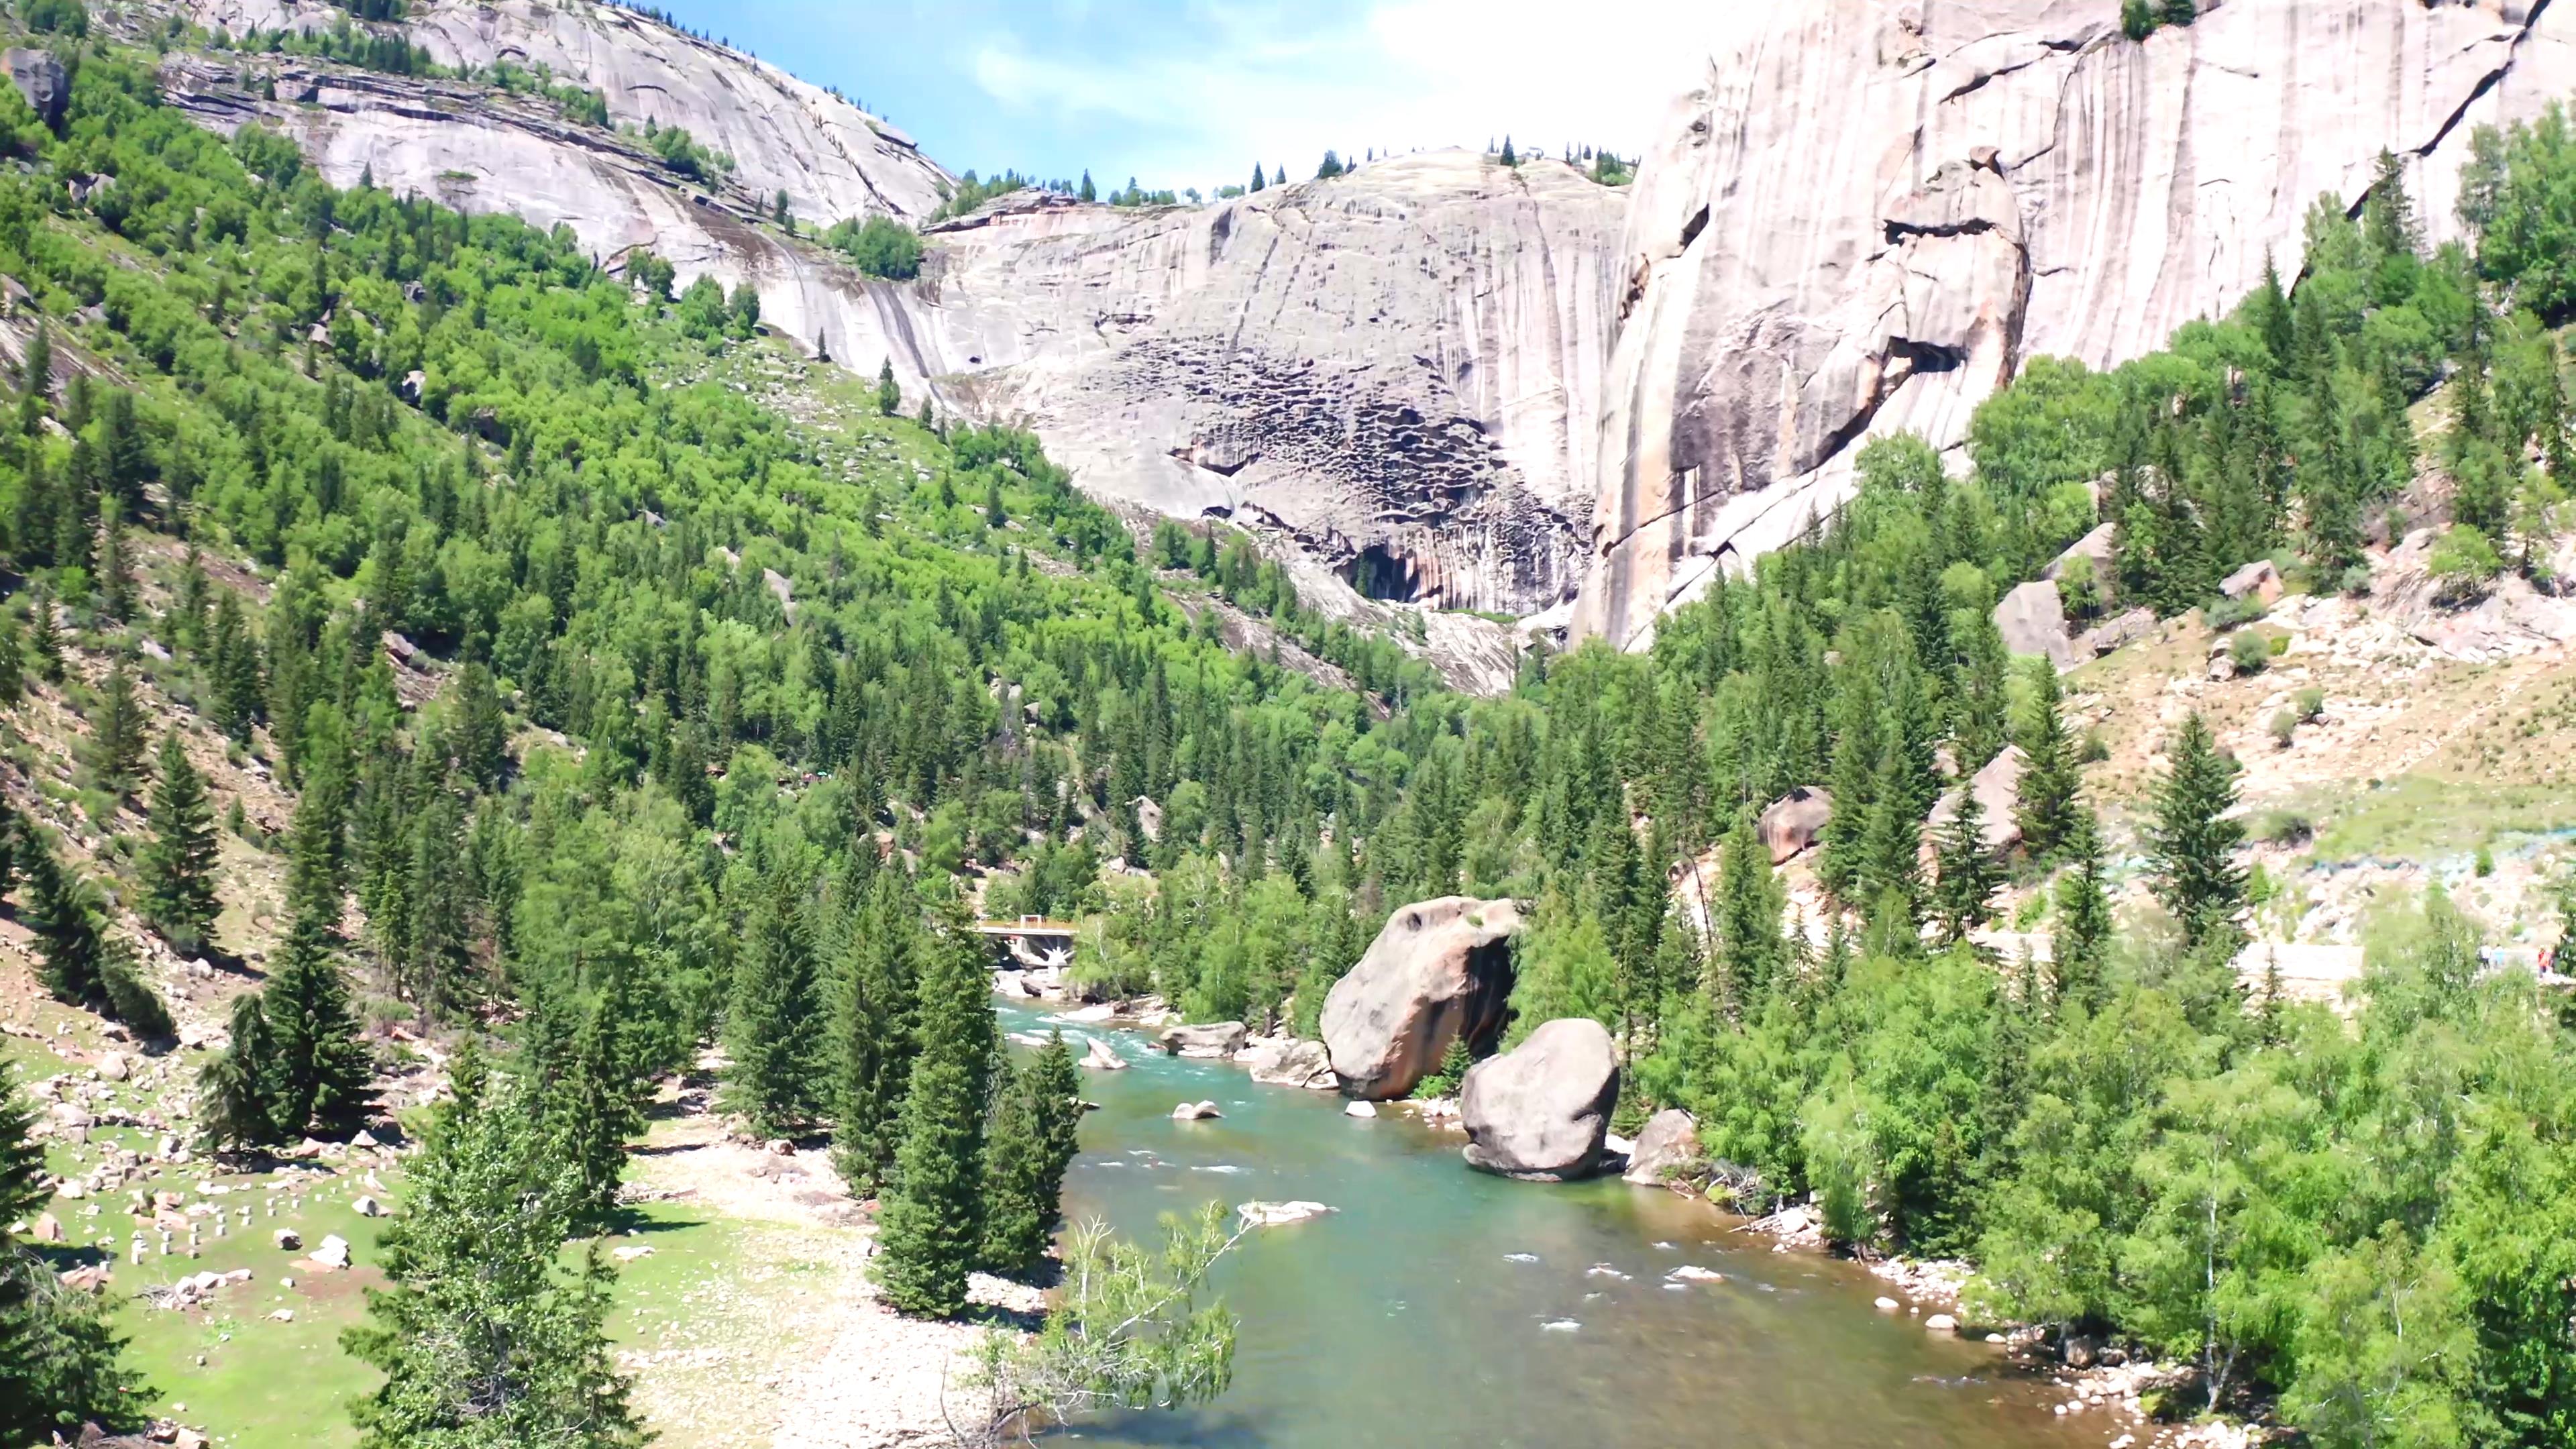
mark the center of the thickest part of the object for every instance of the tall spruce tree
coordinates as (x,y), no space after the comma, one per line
(1036,1114)
(117,731)
(1750,950)
(872,1023)
(487,1339)
(2191,842)
(60,913)
(322,1069)
(2083,918)
(2051,769)
(930,1228)
(776,1080)
(1964,891)
(234,1108)
(178,862)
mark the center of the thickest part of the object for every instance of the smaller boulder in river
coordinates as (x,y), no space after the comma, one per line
(1195,1112)
(1541,1111)
(1275,1214)
(1102,1057)
(1666,1148)
(1217,1039)
(1287,1062)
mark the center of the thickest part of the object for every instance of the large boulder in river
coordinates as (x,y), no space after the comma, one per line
(1541,1111)
(1440,971)
(1218,1039)
(1288,1062)
(1667,1147)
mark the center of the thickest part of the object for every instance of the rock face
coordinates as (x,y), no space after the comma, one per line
(1284,1062)
(1666,1146)
(41,80)
(1870,214)
(1439,971)
(1794,821)
(1218,1039)
(1541,1110)
(1997,786)
(2032,620)
(1399,369)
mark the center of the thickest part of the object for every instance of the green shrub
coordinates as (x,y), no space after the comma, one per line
(2250,651)
(880,246)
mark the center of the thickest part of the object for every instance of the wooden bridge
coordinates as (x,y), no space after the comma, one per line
(1030,940)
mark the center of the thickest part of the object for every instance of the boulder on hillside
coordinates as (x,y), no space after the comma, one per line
(2099,553)
(1998,788)
(2118,632)
(1217,1039)
(1541,1111)
(1795,821)
(41,79)
(2258,581)
(2033,621)
(1667,1147)
(1288,1062)
(1440,971)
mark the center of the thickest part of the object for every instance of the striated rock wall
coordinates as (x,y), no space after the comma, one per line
(1398,369)
(1871,213)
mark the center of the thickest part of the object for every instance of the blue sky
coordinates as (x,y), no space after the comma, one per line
(1181,93)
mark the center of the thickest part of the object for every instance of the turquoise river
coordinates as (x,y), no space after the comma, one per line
(1441,1306)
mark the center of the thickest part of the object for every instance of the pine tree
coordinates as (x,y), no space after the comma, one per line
(1509,158)
(235,670)
(873,1011)
(44,637)
(2191,843)
(1087,191)
(2051,770)
(1963,894)
(60,912)
(486,1340)
(930,1226)
(2083,918)
(598,1105)
(889,396)
(1258,180)
(58,1354)
(115,563)
(24,1185)
(1015,1221)
(178,863)
(482,733)
(322,1069)
(117,731)
(36,376)
(1750,951)
(775,1080)
(234,1111)
(130,998)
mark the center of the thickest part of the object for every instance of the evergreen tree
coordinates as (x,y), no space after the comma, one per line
(1015,1221)
(482,732)
(36,375)
(889,396)
(234,1110)
(236,685)
(2191,843)
(322,1070)
(178,863)
(776,1080)
(1508,158)
(13,664)
(930,1227)
(873,1010)
(58,1356)
(61,913)
(44,637)
(2083,918)
(117,731)
(1087,191)
(1750,950)
(1279,176)
(1963,894)
(2051,769)
(599,1105)
(1258,181)
(486,1340)
(115,563)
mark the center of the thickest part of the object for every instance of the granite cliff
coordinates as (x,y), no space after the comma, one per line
(1871,213)
(1398,369)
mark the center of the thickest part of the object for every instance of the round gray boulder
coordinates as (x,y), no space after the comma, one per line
(1540,1111)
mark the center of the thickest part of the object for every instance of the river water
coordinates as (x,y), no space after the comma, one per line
(1442,1306)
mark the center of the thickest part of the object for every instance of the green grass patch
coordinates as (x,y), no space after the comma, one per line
(2419,817)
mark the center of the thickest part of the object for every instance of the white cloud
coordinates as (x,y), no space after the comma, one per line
(1196,102)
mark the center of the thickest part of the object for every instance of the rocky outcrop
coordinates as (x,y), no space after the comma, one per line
(1440,971)
(41,81)
(1795,821)
(1667,1147)
(2032,620)
(1997,786)
(1216,1039)
(1541,1111)
(1287,1062)
(1870,214)
(1397,371)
